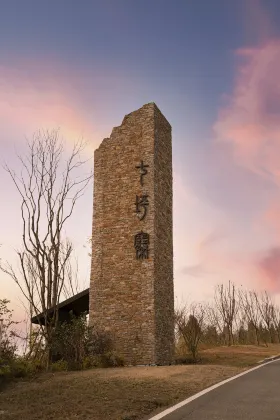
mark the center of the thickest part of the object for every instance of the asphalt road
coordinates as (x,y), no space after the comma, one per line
(254,396)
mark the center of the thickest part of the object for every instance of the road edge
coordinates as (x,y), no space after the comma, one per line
(269,359)
(211,388)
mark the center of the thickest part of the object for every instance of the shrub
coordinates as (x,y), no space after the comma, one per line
(5,371)
(59,366)
(181,360)
(108,359)
(80,346)
(111,359)
(90,362)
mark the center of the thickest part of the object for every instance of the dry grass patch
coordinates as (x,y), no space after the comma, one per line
(123,393)
(100,394)
(239,356)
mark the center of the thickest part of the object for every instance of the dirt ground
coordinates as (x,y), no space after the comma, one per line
(129,393)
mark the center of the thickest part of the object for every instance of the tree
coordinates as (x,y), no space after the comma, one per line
(190,324)
(242,335)
(7,343)
(253,334)
(49,188)
(276,320)
(211,336)
(266,311)
(215,320)
(249,302)
(227,306)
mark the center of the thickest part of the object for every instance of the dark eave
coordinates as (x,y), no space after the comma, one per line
(78,304)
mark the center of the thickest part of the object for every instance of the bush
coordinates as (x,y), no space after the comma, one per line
(19,367)
(90,362)
(5,371)
(37,366)
(108,359)
(81,346)
(185,360)
(7,361)
(59,366)
(111,359)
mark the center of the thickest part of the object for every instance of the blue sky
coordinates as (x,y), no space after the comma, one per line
(211,67)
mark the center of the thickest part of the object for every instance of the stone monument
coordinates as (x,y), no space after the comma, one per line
(131,288)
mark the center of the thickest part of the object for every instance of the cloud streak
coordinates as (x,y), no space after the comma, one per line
(249,124)
(41,95)
(269,265)
(250,120)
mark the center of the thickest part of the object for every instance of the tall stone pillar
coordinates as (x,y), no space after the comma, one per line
(131,289)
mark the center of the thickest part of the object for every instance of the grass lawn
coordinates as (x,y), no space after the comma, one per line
(239,356)
(129,393)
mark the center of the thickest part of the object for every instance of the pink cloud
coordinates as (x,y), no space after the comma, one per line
(271,217)
(213,257)
(250,121)
(42,95)
(269,265)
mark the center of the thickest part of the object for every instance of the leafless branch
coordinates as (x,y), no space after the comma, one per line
(48,197)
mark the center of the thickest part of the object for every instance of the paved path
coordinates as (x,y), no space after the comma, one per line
(254,396)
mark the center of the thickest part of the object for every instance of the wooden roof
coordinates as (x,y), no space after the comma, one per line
(78,304)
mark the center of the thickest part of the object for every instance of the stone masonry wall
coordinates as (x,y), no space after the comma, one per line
(163,255)
(132,298)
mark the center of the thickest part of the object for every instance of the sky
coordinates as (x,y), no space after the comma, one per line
(212,69)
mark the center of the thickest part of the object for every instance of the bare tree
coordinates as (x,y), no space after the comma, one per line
(49,188)
(227,305)
(190,324)
(249,302)
(215,319)
(266,310)
(72,284)
(276,320)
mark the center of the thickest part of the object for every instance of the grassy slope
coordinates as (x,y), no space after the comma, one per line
(123,393)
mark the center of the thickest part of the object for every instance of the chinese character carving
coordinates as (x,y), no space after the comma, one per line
(141,202)
(143,171)
(141,245)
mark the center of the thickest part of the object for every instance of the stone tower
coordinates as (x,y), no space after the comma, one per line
(131,289)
